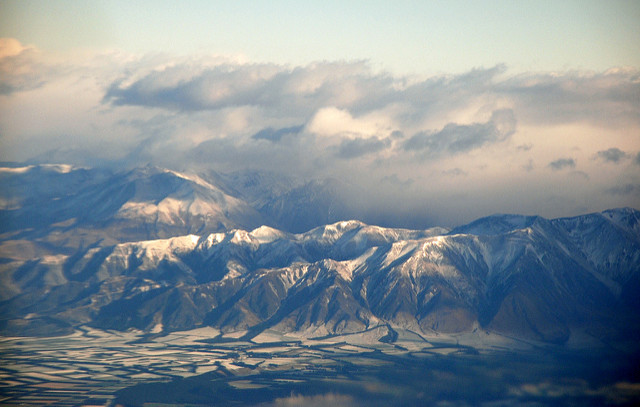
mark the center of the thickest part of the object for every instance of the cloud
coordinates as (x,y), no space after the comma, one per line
(612,155)
(276,88)
(218,87)
(18,68)
(352,148)
(579,175)
(457,138)
(275,135)
(10,47)
(455,172)
(625,190)
(609,98)
(320,400)
(562,163)
(331,121)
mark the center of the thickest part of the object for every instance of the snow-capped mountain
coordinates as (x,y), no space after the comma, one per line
(53,206)
(293,204)
(75,207)
(526,277)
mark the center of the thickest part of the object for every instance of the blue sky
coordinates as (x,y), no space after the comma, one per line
(417,37)
(455,109)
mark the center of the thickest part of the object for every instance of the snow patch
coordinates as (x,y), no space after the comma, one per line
(192,178)
(17,170)
(266,234)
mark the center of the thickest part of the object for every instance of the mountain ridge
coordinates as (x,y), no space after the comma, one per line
(162,250)
(538,282)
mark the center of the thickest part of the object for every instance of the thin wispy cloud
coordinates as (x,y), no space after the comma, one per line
(612,155)
(276,135)
(352,148)
(625,190)
(562,163)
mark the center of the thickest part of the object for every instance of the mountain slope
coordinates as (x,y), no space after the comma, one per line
(72,207)
(530,278)
(54,209)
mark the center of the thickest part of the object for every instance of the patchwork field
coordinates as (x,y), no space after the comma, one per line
(203,367)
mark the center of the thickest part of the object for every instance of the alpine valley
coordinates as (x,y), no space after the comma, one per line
(250,256)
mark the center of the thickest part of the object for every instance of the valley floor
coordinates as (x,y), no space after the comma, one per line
(203,367)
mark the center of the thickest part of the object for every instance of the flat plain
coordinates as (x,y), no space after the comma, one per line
(203,367)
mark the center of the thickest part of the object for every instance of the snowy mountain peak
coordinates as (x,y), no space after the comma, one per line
(334,231)
(496,224)
(625,218)
(267,234)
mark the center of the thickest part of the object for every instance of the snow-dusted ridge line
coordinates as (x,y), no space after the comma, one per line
(191,177)
(336,230)
(59,168)
(331,233)
(540,279)
(349,241)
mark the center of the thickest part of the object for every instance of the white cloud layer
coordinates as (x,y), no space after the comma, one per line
(452,146)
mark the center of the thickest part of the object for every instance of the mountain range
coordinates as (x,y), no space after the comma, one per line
(160,251)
